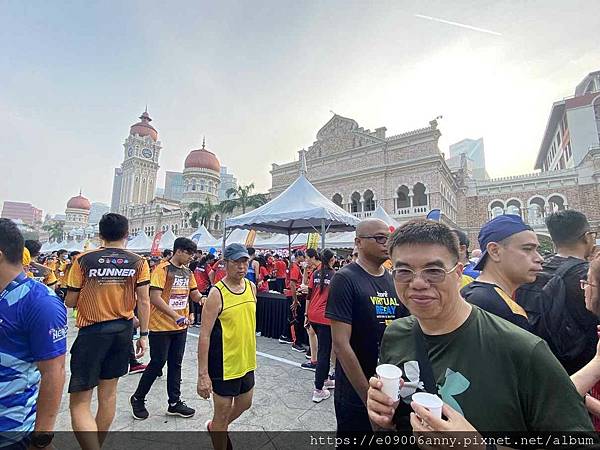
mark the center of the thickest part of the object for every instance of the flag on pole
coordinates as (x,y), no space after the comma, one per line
(313,240)
(250,238)
(155,251)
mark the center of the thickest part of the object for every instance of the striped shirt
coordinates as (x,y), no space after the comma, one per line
(106,280)
(33,327)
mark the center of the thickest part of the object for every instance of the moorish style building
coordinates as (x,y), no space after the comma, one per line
(408,176)
(134,184)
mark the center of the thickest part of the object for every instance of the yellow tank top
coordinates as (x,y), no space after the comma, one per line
(232,352)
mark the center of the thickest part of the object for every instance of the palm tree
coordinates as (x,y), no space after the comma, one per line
(55,230)
(202,213)
(242,199)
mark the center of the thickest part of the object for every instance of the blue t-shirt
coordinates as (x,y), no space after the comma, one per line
(251,274)
(469,270)
(33,327)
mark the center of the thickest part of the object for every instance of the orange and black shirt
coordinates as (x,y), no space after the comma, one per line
(42,274)
(176,283)
(106,280)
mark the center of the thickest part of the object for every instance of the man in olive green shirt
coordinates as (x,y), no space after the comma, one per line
(491,375)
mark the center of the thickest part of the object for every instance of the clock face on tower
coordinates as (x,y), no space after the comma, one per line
(147,153)
(130,151)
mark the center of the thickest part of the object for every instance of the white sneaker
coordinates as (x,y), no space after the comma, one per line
(329,384)
(320,395)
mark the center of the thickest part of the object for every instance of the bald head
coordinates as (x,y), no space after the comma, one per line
(368,227)
(371,240)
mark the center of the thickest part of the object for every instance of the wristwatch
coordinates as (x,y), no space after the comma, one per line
(144,333)
(41,440)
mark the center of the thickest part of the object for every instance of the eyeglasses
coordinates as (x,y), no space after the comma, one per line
(380,239)
(431,275)
(591,233)
(584,283)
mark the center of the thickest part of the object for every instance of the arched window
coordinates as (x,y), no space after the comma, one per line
(513,207)
(536,211)
(419,195)
(193,185)
(556,203)
(355,205)
(402,200)
(337,199)
(496,208)
(369,203)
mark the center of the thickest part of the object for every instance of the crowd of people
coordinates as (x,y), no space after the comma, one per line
(506,339)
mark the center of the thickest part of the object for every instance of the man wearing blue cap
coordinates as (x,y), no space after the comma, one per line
(508,260)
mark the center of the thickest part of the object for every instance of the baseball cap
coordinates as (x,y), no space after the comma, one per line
(234,252)
(496,230)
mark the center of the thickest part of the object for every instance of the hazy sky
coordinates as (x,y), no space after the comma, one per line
(259,79)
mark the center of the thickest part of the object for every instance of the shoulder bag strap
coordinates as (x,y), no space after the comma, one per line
(425,368)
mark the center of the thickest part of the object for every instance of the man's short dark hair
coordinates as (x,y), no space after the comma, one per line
(113,227)
(251,250)
(567,227)
(424,232)
(463,239)
(11,241)
(184,244)
(62,251)
(33,246)
(167,252)
(312,253)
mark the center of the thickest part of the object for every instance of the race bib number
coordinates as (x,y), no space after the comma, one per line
(178,302)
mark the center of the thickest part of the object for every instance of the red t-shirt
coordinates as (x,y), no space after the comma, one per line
(318,298)
(201,275)
(280,268)
(263,285)
(219,269)
(294,275)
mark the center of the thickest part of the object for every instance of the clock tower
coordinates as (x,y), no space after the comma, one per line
(140,165)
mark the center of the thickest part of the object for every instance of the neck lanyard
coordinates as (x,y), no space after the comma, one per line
(20,279)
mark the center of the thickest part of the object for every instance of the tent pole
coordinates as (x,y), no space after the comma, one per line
(322,234)
(290,245)
(224,240)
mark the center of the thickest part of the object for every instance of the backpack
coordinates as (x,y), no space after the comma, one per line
(545,301)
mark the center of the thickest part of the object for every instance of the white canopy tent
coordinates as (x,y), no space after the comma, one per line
(342,240)
(49,247)
(203,239)
(281,241)
(140,243)
(301,208)
(167,240)
(380,213)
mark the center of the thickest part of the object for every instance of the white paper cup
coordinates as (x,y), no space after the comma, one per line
(390,377)
(429,401)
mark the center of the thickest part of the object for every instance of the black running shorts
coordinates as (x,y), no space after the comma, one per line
(100,352)
(235,387)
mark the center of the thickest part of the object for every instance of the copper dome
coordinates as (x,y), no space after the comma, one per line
(143,128)
(79,202)
(202,159)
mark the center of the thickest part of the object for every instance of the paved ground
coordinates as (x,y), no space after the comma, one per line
(282,396)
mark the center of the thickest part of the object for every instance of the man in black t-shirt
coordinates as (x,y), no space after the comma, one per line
(510,259)
(362,300)
(574,242)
